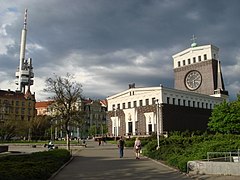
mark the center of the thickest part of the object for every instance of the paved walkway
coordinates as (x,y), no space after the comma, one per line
(103,162)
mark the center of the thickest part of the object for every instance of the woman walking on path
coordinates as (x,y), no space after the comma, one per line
(137,147)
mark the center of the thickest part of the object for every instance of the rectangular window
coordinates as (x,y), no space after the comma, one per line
(134,103)
(129,104)
(173,101)
(118,106)
(198,104)
(147,102)
(194,60)
(193,103)
(184,102)
(199,58)
(205,57)
(189,61)
(168,100)
(153,100)
(179,102)
(123,105)
(189,103)
(179,63)
(184,63)
(202,105)
(140,103)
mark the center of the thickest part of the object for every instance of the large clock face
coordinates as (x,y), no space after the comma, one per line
(193,80)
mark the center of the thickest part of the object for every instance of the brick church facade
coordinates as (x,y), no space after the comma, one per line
(198,88)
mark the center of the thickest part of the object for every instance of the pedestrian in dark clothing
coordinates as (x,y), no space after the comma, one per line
(121,144)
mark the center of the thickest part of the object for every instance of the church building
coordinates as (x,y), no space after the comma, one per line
(198,87)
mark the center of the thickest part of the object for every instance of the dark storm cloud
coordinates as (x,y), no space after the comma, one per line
(120,42)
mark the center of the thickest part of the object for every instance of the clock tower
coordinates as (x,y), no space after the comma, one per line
(197,69)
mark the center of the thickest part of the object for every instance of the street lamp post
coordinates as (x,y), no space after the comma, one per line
(115,123)
(157,122)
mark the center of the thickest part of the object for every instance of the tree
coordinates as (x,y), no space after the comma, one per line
(92,130)
(225,117)
(67,98)
(7,129)
(39,127)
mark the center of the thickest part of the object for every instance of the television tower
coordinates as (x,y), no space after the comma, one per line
(24,73)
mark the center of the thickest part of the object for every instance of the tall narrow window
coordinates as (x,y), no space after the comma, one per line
(199,58)
(173,101)
(140,103)
(134,103)
(179,102)
(168,100)
(205,57)
(153,100)
(189,61)
(147,102)
(184,63)
(129,104)
(194,60)
(179,63)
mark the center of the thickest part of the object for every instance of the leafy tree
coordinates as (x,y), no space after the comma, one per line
(11,128)
(39,127)
(7,129)
(225,117)
(67,97)
(92,130)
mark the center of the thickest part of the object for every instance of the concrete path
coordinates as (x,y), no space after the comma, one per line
(103,162)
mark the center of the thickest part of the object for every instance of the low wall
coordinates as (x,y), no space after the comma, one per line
(214,168)
(3,149)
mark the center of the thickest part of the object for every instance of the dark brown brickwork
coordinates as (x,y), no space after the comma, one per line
(182,118)
(141,129)
(208,70)
(175,118)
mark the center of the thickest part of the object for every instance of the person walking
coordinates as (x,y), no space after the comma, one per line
(99,141)
(121,144)
(137,148)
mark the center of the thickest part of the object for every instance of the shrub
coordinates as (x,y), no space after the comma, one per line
(39,165)
(179,148)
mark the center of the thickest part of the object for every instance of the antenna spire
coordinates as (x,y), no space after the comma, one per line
(25,20)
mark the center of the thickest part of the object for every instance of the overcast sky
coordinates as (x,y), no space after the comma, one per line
(108,44)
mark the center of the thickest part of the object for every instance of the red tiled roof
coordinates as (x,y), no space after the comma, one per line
(43,104)
(104,102)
